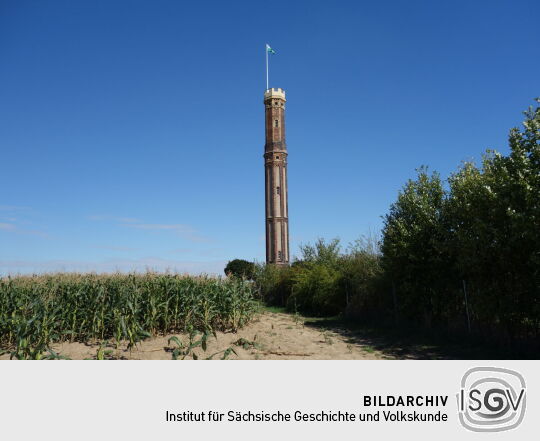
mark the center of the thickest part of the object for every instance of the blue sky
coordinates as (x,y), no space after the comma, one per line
(132,132)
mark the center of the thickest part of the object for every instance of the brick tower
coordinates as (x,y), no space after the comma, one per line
(275,167)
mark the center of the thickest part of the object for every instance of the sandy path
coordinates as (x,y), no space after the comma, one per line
(270,336)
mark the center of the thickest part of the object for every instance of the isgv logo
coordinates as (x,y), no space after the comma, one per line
(491,399)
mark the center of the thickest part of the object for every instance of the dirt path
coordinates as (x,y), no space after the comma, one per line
(271,336)
(275,335)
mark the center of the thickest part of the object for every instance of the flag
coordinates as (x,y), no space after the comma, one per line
(269,49)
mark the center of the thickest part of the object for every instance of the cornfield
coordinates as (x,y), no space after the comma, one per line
(36,311)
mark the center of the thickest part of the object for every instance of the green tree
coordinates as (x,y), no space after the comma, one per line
(362,280)
(495,222)
(240,268)
(315,289)
(314,279)
(321,252)
(412,246)
(273,283)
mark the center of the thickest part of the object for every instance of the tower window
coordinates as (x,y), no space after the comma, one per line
(276,123)
(277,157)
(279,256)
(278,190)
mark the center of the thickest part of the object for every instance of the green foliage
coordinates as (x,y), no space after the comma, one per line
(247,344)
(494,214)
(240,268)
(414,234)
(183,350)
(273,283)
(103,353)
(325,281)
(314,280)
(36,311)
(363,281)
(483,230)
(322,253)
(314,290)
(480,230)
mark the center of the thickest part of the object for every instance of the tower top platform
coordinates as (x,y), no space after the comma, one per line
(275,92)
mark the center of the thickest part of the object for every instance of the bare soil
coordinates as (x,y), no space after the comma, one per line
(270,336)
(276,335)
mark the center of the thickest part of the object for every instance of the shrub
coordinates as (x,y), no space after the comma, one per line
(325,280)
(273,283)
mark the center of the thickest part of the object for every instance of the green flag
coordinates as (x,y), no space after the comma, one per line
(269,49)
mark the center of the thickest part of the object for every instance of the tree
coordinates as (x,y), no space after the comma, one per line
(494,215)
(484,230)
(411,245)
(240,268)
(322,252)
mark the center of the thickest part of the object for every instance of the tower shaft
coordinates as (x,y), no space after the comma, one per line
(276,191)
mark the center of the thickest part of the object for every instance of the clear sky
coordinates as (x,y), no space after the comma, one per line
(132,132)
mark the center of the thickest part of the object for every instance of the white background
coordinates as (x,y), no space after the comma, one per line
(89,400)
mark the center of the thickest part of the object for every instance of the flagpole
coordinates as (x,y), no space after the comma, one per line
(266,50)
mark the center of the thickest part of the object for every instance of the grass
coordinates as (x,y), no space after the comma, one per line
(275,309)
(36,311)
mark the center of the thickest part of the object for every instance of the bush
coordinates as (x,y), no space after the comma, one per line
(325,280)
(273,283)
(315,290)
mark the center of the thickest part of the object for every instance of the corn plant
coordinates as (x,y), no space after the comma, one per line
(183,350)
(40,310)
